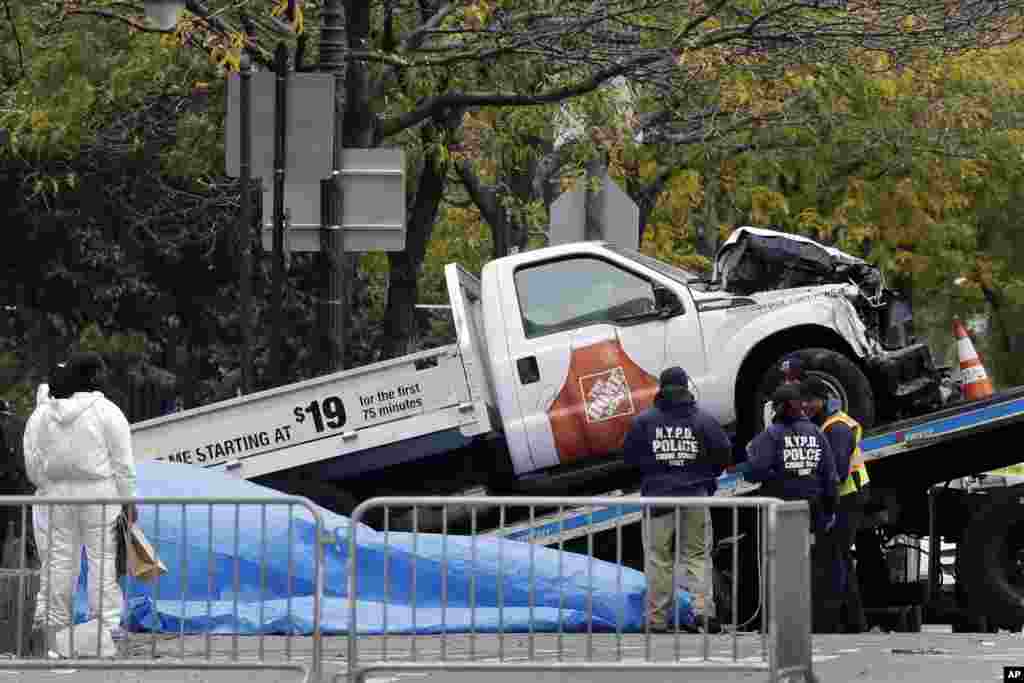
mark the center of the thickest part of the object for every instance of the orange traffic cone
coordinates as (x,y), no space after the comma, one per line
(974,381)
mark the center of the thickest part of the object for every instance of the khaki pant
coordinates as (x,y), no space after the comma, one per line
(695,537)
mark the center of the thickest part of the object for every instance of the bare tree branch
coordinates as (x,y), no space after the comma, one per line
(436,104)
(106,14)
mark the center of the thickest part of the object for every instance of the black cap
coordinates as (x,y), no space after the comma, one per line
(815,388)
(786,393)
(674,377)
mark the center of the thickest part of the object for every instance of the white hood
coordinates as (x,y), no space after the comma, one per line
(82,438)
(67,410)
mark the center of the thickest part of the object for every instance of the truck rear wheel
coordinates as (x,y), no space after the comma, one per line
(846,381)
(992,564)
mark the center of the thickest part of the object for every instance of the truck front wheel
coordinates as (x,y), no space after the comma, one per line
(845,380)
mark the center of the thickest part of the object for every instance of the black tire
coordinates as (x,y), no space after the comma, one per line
(836,370)
(989,566)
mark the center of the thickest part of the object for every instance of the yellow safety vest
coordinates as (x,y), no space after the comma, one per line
(858,474)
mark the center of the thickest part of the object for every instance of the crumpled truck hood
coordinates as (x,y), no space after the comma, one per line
(828,305)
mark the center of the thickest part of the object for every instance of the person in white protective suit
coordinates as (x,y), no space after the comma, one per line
(79,446)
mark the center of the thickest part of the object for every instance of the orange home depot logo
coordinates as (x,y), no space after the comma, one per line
(606,395)
(602,392)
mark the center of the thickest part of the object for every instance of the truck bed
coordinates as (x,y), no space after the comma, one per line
(340,414)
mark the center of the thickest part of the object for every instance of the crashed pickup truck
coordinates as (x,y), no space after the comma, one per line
(557,350)
(878,370)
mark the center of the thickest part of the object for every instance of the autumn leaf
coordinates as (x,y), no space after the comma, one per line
(40,121)
(648,169)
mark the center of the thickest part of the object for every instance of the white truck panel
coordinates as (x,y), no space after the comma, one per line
(731,333)
(465,295)
(319,418)
(502,315)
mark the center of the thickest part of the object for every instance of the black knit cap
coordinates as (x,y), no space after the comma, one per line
(85,370)
(674,376)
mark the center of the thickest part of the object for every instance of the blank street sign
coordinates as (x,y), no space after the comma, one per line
(310,126)
(373,204)
(621,216)
(568,217)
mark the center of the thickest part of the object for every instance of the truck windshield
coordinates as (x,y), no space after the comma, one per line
(678,274)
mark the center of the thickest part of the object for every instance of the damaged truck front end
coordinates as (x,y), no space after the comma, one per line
(901,370)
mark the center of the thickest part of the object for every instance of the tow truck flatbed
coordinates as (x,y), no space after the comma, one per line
(929,431)
(956,422)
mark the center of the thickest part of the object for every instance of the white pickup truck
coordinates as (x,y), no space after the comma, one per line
(557,349)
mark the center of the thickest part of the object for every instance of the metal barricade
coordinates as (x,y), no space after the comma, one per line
(204,536)
(781,649)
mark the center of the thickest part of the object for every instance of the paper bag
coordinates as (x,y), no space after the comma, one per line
(140,560)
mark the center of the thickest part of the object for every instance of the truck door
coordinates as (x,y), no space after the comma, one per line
(587,345)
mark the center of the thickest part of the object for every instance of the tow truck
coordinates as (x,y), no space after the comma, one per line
(558,348)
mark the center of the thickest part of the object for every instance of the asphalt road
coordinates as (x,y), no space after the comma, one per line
(904,657)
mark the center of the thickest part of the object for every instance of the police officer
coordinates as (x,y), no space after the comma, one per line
(793,460)
(681,451)
(844,436)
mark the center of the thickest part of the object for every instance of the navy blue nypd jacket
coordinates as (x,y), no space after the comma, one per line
(794,460)
(680,449)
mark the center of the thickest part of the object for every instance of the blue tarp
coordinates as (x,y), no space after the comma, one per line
(217,582)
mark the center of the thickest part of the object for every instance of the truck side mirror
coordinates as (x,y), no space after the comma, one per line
(667,302)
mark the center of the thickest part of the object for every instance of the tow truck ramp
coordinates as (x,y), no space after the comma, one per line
(956,422)
(566,525)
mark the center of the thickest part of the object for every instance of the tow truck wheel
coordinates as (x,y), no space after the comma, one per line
(993,562)
(845,380)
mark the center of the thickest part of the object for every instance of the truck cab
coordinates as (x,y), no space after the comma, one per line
(576,336)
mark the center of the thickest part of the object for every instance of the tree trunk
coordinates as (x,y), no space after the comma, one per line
(404,267)
(707,225)
(995,302)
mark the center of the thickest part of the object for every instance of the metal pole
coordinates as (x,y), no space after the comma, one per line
(245,218)
(934,553)
(333,310)
(280,151)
